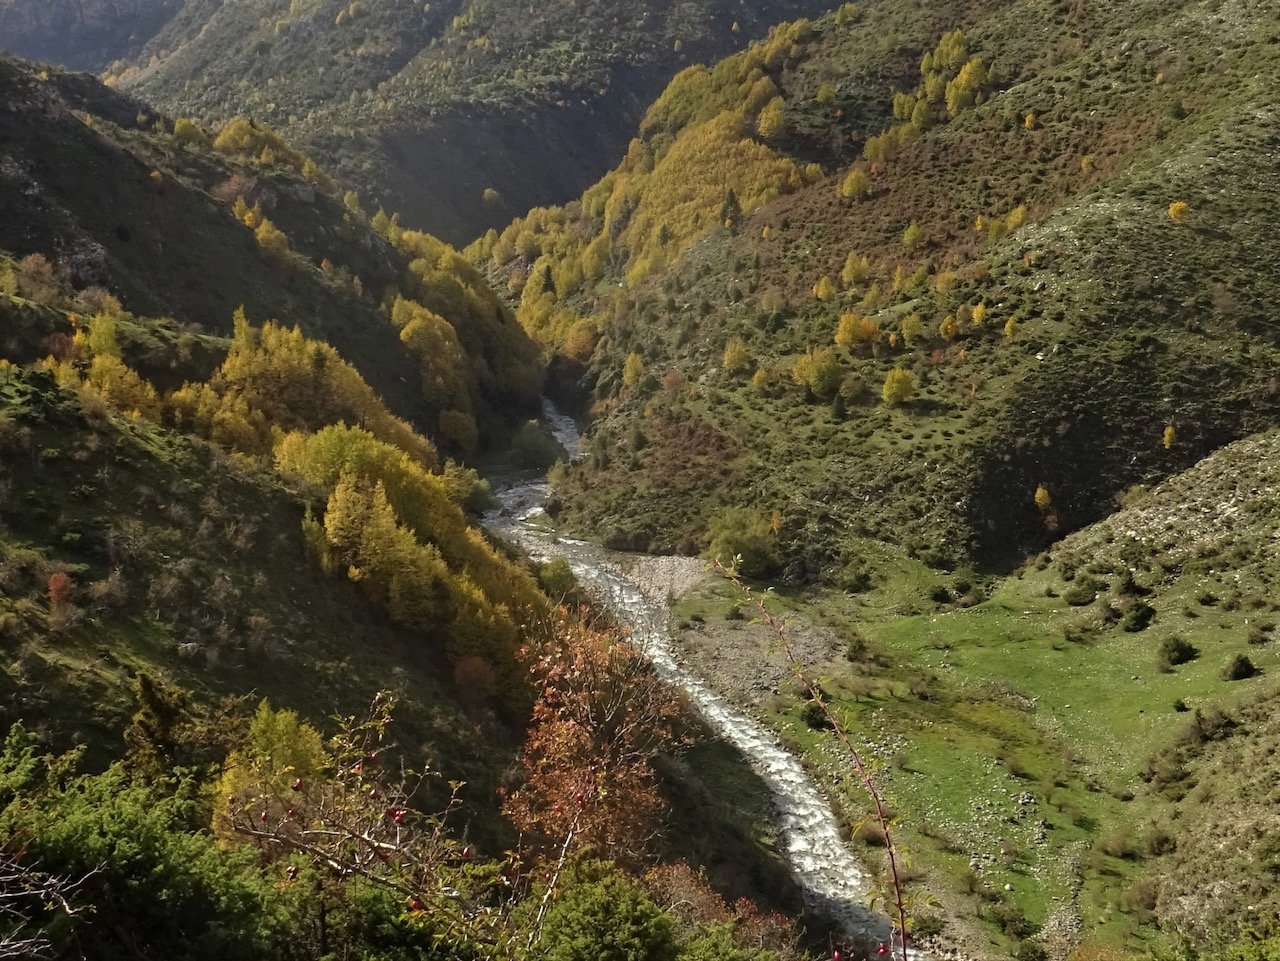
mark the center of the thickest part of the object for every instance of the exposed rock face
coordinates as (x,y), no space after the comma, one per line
(86,34)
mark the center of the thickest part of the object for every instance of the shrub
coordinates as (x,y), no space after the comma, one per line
(1177,650)
(1138,617)
(1240,668)
(601,915)
(557,578)
(747,536)
(814,716)
(534,448)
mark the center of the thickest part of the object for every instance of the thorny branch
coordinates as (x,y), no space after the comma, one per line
(815,693)
(25,891)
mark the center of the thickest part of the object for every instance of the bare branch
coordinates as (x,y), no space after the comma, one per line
(842,735)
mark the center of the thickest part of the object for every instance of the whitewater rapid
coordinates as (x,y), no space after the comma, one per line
(833,882)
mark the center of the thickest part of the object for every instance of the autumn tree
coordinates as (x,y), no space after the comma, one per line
(819,370)
(1178,211)
(599,721)
(736,359)
(458,429)
(272,241)
(433,341)
(773,120)
(899,386)
(912,328)
(632,369)
(187,131)
(856,186)
(855,330)
(58,587)
(824,289)
(276,379)
(963,89)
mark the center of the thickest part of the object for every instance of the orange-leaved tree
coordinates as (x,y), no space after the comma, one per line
(602,715)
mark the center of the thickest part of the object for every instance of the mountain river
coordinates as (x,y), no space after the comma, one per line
(833,882)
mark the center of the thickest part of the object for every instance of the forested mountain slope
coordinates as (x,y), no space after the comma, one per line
(84,35)
(195,225)
(156,288)
(458,115)
(952,290)
(255,648)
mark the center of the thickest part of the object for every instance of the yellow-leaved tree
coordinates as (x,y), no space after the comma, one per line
(899,386)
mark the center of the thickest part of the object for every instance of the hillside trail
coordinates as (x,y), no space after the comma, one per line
(834,884)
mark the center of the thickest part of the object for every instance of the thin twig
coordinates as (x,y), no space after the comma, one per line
(864,775)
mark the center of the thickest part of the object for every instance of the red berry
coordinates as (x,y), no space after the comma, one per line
(263,817)
(466,853)
(883,949)
(373,794)
(292,872)
(399,816)
(297,784)
(415,905)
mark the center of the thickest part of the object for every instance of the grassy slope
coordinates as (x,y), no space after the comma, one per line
(1029,740)
(1128,320)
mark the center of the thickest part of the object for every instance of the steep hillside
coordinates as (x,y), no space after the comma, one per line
(193,227)
(226,531)
(955,292)
(161,438)
(87,36)
(459,115)
(1076,754)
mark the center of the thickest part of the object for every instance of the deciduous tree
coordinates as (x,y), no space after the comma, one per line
(899,386)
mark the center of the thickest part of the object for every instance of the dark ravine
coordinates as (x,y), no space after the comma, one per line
(833,883)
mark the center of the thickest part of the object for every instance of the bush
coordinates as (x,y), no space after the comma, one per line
(603,916)
(136,848)
(534,448)
(814,716)
(557,579)
(1177,650)
(747,536)
(1138,617)
(1240,668)
(1083,591)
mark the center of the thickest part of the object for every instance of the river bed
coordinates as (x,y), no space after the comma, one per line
(833,882)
